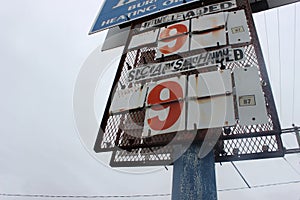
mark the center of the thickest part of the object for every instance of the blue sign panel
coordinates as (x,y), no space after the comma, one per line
(116,12)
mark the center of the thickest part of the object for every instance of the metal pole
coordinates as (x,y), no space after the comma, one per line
(194,178)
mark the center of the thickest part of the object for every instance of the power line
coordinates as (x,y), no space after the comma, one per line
(85,196)
(268,49)
(279,57)
(291,166)
(260,186)
(294,77)
(241,175)
(138,195)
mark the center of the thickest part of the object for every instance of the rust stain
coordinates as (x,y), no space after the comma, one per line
(197,82)
(204,100)
(211,30)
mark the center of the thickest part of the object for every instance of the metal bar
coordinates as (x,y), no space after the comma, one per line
(194,178)
(248,135)
(264,74)
(292,151)
(288,130)
(296,129)
(251,156)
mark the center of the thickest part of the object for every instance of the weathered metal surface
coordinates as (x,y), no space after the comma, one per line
(188,13)
(211,112)
(148,71)
(165,112)
(173,39)
(237,142)
(251,101)
(116,37)
(143,39)
(128,99)
(194,178)
(238,31)
(210,84)
(208,31)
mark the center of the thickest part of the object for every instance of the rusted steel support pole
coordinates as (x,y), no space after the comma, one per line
(194,178)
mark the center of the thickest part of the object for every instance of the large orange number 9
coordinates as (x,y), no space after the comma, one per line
(175,108)
(180,40)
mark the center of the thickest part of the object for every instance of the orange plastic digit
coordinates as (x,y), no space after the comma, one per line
(175,108)
(179,40)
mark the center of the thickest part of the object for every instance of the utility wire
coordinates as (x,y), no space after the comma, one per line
(138,195)
(261,186)
(294,77)
(268,47)
(241,175)
(279,49)
(291,166)
(86,196)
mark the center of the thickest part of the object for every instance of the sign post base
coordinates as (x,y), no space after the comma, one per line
(194,178)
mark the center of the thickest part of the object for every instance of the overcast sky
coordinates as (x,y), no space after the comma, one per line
(43,47)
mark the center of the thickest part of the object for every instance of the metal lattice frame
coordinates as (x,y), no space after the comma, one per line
(122,132)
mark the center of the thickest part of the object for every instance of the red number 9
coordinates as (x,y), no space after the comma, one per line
(175,108)
(180,40)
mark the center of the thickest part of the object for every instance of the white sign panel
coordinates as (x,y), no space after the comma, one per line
(208,31)
(143,39)
(210,84)
(166,111)
(210,112)
(205,59)
(251,101)
(238,31)
(116,37)
(180,16)
(167,118)
(173,39)
(127,99)
(167,90)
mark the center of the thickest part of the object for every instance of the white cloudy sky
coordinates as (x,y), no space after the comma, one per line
(43,45)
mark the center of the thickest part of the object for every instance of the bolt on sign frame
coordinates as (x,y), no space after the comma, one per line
(250,128)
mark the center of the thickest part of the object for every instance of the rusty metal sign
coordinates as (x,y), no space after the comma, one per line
(208,31)
(189,76)
(165,112)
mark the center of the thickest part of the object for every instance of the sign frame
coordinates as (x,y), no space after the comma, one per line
(139,148)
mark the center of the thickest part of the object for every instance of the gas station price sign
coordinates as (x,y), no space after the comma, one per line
(186,72)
